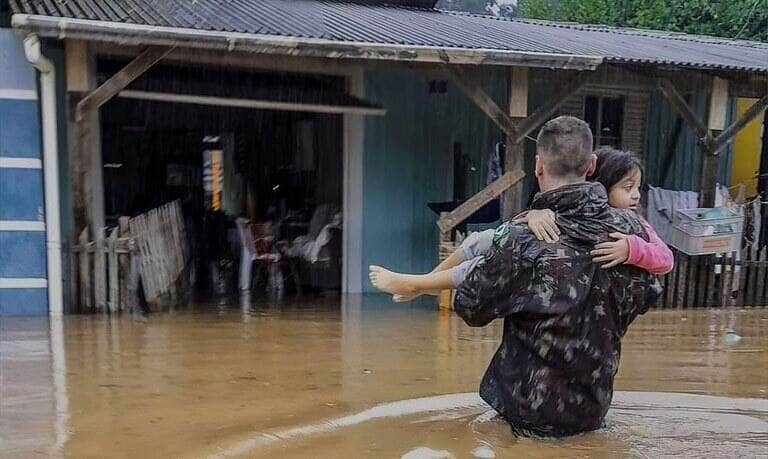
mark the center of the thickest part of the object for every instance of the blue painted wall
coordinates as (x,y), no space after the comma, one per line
(22,252)
(408,162)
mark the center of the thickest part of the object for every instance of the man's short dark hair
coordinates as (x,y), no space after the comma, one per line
(564,145)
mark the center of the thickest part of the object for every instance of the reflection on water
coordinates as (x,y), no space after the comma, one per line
(202,380)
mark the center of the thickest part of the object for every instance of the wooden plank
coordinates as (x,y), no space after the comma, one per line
(179,246)
(135,226)
(701,282)
(711,286)
(761,284)
(670,283)
(77,71)
(74,280)
(100,274)
(515,152)
(543,113)
(729,133)
(682,281)
(256,104)
(113,271)
(718,104)
(85,277)
(468,83)
(477,201)
(121,79)
(710,166)
(518,92)
(123,265)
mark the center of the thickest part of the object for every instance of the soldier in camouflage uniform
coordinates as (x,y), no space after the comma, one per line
(564,316)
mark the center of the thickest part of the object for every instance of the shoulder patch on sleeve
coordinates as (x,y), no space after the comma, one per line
(501,234)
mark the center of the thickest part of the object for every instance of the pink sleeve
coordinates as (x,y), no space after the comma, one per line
(653,256)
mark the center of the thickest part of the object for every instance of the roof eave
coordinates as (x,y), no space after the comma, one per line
(135,34)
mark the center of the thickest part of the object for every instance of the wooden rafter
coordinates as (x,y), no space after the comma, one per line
(730,132)
(117,82)
(676,99)
(468,83)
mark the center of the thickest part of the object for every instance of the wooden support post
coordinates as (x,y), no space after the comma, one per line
(78,74)
(100,272)
(514,152)
(123,266)
(85,277)
(88,181)
(113,270)
(718,111)
(445,299)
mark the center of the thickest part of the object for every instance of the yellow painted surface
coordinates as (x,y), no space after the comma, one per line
(746,149)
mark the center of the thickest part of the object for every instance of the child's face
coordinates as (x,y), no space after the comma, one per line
(626,193)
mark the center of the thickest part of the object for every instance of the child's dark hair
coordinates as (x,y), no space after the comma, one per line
(613,165)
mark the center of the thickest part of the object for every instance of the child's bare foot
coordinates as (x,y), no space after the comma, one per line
(391,282)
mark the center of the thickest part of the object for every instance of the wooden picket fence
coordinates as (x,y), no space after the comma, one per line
(711,281)
(161,242)
(148,250)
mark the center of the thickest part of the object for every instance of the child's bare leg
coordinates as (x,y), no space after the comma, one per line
(454,259)
(410,284)
(475,245)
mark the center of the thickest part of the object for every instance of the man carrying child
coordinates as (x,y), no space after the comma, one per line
(564,316)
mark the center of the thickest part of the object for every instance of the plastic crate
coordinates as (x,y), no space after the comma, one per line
(706,231)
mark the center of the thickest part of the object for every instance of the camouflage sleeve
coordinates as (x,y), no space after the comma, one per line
(492,288)
(638,290)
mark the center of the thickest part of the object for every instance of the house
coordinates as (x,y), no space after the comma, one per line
(371,106)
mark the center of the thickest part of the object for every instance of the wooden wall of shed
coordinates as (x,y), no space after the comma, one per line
(649,122)
(636,91)
(408,162)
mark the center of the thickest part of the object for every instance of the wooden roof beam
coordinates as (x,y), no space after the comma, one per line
(468,83)
(678,102)
(730,132)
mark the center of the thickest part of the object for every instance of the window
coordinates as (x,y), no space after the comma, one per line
(605,116)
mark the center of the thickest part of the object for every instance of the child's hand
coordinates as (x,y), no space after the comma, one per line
(612,253)
(542,223)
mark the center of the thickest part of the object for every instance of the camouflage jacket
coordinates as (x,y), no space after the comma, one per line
(564,316)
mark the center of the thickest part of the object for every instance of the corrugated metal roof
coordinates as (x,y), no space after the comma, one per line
(378,22)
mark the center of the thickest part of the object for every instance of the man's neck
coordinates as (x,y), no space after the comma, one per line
(552,183)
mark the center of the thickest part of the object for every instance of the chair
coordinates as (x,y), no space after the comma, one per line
(261,250)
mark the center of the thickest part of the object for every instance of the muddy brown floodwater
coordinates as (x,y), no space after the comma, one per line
(357,377)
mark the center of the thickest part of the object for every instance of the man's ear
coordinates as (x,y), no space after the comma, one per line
(539,170)
(592,164)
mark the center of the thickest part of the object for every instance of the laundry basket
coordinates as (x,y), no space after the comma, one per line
(706,231)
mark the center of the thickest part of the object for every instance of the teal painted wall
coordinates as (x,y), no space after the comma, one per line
(685,168)
(408,162)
